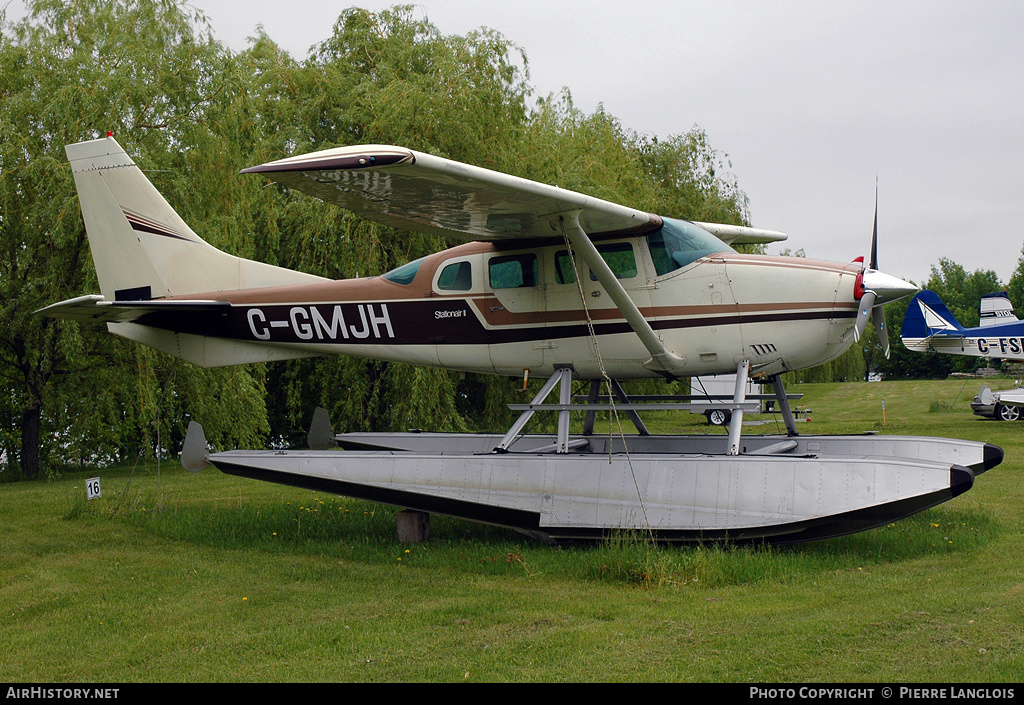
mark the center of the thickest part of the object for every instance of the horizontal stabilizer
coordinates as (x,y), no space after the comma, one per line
(162,324)
(94,308)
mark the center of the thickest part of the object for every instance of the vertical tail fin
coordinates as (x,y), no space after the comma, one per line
(926,317)
(996,308)
(141,248)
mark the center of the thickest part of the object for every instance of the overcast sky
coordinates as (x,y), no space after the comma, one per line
(811,101)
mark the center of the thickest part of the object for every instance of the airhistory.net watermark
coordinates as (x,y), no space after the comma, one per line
(57,693)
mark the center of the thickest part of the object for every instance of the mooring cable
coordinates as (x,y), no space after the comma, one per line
(607,379)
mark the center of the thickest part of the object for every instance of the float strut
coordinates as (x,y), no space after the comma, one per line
(591,416)
(739,396)
(787,413)
(562,375)
(620,394)
(564,398)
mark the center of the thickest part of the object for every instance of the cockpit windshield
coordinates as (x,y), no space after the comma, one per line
(677,243)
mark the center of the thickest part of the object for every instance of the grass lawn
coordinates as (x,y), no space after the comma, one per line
(179,577)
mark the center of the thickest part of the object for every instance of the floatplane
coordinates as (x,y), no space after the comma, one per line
(929,326)
(550,283)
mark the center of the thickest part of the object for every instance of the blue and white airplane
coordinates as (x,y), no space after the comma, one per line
(930,326)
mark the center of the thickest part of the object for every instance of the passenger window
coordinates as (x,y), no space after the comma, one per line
(512,271)
(456,277)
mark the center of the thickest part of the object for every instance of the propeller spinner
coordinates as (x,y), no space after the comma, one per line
(874,289)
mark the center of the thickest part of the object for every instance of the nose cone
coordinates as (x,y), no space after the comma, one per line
(887,287)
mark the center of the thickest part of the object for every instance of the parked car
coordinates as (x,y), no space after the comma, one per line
(1005,405)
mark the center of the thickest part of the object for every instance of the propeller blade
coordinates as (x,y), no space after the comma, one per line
(874,233)
(867,302)
(878,316)
(879,289)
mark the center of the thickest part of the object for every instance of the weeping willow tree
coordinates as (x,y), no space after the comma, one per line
(152,73)
(192,114)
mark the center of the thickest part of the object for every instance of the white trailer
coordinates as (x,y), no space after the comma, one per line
(711,394)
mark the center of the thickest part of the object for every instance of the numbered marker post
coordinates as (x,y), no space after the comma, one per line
(92,488)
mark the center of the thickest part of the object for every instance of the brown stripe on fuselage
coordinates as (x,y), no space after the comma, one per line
(379,289)
(490,310)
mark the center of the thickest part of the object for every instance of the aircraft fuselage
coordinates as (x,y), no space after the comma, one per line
(502,309)
(975,342)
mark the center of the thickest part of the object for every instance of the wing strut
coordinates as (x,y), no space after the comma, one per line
(662,359)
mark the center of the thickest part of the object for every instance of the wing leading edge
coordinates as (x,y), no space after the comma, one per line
(420,192)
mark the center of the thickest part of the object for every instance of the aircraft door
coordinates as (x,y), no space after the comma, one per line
(707,289)
(693,298)
(569,339)
(514,311)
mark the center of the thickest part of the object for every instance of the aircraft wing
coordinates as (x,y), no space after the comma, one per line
(415,191)
(740,234)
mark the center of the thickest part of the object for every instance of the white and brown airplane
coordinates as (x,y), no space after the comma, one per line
(664,297)
(551,283)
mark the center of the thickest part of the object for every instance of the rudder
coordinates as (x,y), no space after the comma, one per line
(995,309)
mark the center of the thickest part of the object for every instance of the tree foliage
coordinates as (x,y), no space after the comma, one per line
(152,72)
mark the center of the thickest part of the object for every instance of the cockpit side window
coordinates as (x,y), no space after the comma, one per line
(406,273)
(512,271)
(456,277)
(564,272)
(618,256)
(678,243)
